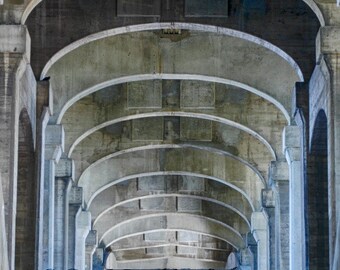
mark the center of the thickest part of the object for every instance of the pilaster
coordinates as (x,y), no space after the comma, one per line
(64,174)
(260,230)
(75,200)
(83,227)
(14,56)
(43,114)
(54,145)
(90,248)
(292,150)
(252,247)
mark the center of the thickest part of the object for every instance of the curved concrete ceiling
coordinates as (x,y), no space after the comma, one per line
(175,222)
(162,196)
(119,215)
(173,262)
(117,195)
(180,114)
(175,146)
(179,173)
(196,161)
(173,25)
(257,68)
(33,3)
(178,238)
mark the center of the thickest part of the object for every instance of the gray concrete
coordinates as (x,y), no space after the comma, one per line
(164,134)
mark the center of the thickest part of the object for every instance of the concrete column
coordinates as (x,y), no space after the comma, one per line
(279,175)
(252,247)
(14,57)
(328,44)
(54,144)
(3,240)
(260,230)
(75,201)
(90,248)
(246,259)
(43,115)
(291,147)
(63,183)
(83,227)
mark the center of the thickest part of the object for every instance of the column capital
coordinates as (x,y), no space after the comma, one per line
(278,171)
(84,220)
(65,168)
(328,41)
(259,221)
(76,195)
(54,142)
(292,143)
(268,198)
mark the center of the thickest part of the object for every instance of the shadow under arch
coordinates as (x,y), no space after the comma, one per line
(317,221)
(26,194)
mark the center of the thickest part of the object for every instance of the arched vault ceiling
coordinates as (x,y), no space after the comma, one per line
(247,151)
(183,239)
(170,222)
(91,66)
(171,186)
(173,262)
(121,214)
(175,161)
(280,22)
(115,104)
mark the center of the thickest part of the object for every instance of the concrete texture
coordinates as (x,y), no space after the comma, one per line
(163,134)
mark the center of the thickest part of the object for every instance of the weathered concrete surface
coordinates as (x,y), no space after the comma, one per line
(162,56)
(281,22)
(106,174)
(3,238)
(174,222)
(205,130)
(173,186)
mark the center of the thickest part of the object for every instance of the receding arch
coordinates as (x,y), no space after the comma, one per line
(171,221)
(172,25)
(203,198)
(180,114)
(26,210)
(167,76)
(178,146)
(115,170)
(226,196)
(153,196)
(174,262)
(172,173)
(317,219)
(314,7)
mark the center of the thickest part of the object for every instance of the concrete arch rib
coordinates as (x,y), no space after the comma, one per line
(180,114)
(177,25)
(174,262)
(29,8)
(203,198)
(226,197)
(118,216)
(115,170)
(314,7)
(182,173)
(178,146)
(165,76)
(173,222)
